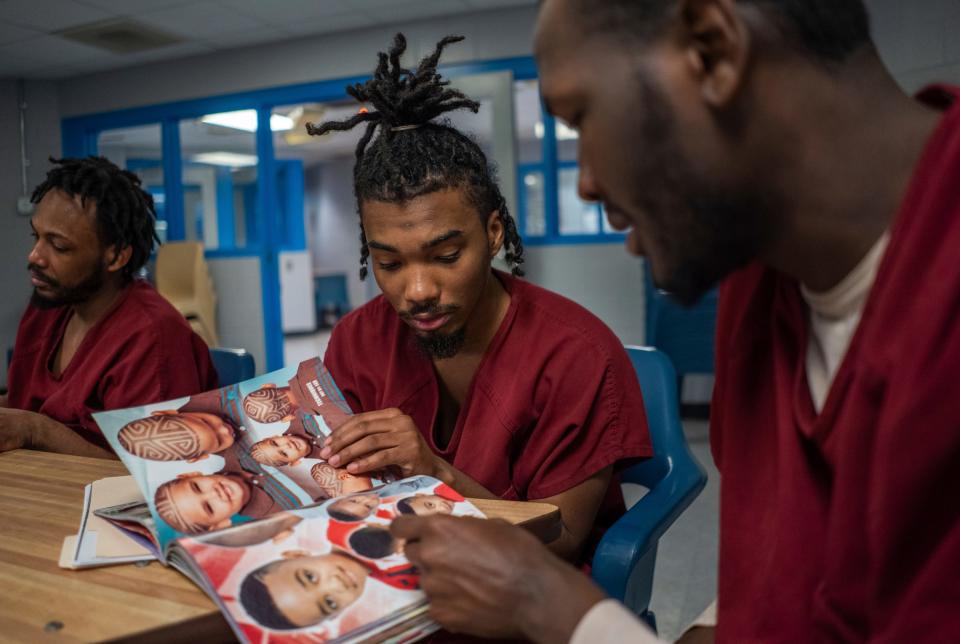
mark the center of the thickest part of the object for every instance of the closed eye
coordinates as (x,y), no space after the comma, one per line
(388,266)
(449,259)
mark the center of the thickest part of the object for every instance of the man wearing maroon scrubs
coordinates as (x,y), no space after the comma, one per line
(94,337)
(765,143)
(474,376)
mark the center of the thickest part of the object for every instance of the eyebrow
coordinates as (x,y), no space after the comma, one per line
(436,241)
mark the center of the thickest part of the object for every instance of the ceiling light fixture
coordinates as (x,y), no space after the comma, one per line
(230,159)
(246,120)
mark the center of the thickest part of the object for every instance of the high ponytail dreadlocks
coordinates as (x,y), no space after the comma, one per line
(413,155)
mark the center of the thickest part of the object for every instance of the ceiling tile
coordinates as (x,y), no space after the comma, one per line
(173,51)
(10,34)
(50,15)
(256,36)
(51,50)
(288,11)
(199,20)
(134,7)
(413,10)
(480,5)
(342,22)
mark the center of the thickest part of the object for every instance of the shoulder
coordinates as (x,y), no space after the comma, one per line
(554,322)
(144,311)
(370,322)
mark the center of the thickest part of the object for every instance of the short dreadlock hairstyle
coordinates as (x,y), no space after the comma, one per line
(125,211)
(412,154)
(829,31)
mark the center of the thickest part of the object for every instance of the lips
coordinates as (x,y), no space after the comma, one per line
(431,323)
(37,279)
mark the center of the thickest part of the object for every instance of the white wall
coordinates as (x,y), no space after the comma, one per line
(335,238)
(240,305)
(43,140)
(601,277)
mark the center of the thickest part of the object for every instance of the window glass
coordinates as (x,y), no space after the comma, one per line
(139,150)
(577,217)
(219,157)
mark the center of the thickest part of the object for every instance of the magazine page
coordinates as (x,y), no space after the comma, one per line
(331,572)
(236,454)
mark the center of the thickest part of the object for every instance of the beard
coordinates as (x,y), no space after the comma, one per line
(435,343)
(442,345)
(61,295)
(702,231)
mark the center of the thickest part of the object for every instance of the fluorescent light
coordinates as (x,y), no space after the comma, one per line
(246,120)
(231,159)
(564,132)
(531,180)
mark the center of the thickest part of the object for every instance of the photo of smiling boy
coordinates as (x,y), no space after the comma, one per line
(288,448)
(301,590)
(353,508)
(171,435)
(194,503)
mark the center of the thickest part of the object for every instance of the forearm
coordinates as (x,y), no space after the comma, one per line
(564,595)
(51,436)
(460,481)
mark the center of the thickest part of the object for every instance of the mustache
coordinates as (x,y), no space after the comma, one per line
(432,309)
(38,274)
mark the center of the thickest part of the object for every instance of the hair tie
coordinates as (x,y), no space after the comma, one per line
(401,128)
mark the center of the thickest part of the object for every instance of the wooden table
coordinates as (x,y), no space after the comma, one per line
(41,497)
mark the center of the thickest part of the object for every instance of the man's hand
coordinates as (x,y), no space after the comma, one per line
(375,440)
(488,578)
(16,429)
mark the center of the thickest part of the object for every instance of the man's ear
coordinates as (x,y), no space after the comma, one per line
(165,412)
(718,47)
(117,259)
(495,233)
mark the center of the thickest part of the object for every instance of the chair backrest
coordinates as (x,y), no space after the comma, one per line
(232,365)
(177,267)
(683,333)
(658,383)
(625,558)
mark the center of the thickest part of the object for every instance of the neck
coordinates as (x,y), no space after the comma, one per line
(90,311)
(852,144)
(491,309)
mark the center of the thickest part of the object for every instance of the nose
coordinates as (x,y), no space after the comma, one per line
(586,187)
(35,256)
(421,287)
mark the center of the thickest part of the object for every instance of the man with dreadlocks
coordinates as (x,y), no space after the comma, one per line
(487,382)
(763,142)
(94,336)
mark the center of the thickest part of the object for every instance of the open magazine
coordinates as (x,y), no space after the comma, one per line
(237,498)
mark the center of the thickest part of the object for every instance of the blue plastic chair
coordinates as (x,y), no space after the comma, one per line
(623,564)
(232,365)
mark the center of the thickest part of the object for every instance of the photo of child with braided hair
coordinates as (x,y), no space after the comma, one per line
(319,573)
(235,454)
(310,392)
(172,435)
